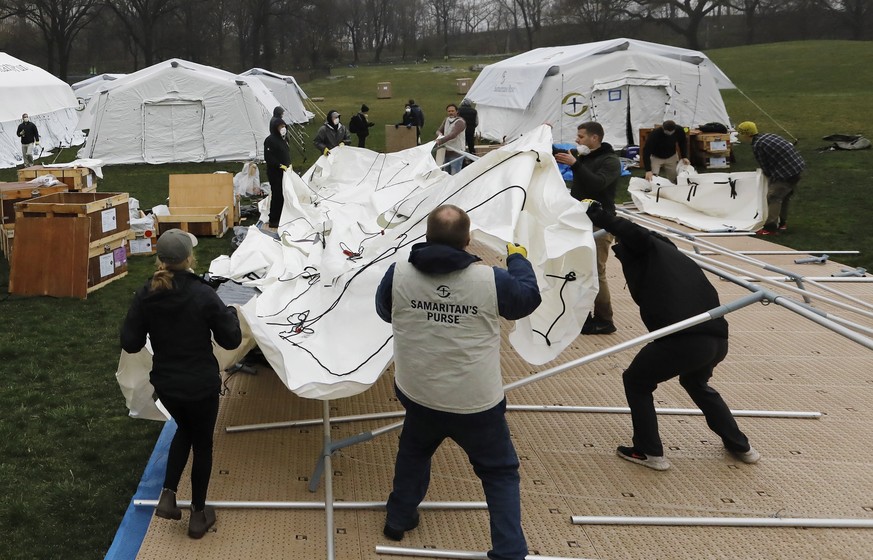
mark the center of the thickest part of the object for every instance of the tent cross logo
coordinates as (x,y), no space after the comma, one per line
(574,104)
(443,291)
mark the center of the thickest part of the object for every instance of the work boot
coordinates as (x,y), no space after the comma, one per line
(200,521)
(167,508)
(396,534)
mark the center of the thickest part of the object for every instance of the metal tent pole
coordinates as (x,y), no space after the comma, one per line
(463,554)
(726,521)
(328,484)
(228,504)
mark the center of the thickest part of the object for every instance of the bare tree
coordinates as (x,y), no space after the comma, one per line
(601,18)
(443,12)
(380,14)
(684,17)
(60,21)
(855,15)
(531,12)
(406,25)
(141,20)
(473,13)
(353,20)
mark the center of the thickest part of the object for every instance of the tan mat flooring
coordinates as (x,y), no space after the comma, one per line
(811,468)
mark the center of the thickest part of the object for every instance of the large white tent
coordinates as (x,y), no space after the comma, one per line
(84,89)
(289,93)
(48,101)
(624,84)
(178,111)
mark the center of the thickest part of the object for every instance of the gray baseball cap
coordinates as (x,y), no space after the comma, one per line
(175,245)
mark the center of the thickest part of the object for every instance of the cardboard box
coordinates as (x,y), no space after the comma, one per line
(76,178)
(197,220)
(10,193)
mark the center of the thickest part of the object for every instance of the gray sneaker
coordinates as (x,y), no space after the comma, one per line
(656,462)
(749,457)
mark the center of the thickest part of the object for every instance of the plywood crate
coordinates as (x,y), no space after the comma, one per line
(141,242)
(56,256)
(204,190)
(383,90)
(399,138)
(711,150)
(714,162)
(10,193)
(463,85)
(198,220)
(7,233)
(107,213)
(76,178)
(713,142)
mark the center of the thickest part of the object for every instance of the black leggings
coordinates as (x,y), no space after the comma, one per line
(195,421)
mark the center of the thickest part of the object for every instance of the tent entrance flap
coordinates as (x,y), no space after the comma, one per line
(173,131)
(625,104)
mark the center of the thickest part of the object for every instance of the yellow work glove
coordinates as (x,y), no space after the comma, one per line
(513,248)
(283,167)
(326,151)
(342,143)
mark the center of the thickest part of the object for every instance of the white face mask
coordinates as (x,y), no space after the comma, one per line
(281,132)
(582,149)
(25,119)
(408,110)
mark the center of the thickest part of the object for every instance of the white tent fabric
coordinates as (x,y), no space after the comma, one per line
(48,101)
(353,214)
(287,91)
(713,202)
(178,111)
(86,88)
(555,85)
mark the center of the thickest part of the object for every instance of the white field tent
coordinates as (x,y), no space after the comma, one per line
(178,111)
(84,89)
(624,84)
(48,101)
(289,93)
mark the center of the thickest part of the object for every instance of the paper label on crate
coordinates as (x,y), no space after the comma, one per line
(108,219)
(120,257)
(139,246)
(718,146)
(89,180)
(107,264)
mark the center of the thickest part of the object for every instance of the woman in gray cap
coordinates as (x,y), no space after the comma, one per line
(180,313)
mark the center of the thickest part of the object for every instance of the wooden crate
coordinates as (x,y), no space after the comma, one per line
(107,213)
(383,90)
(7,233)
(400,138)
(204,190)
(141,243)
(463,85)
(57,257)
(10,193)
(711,150)
(76,178)
(198,220)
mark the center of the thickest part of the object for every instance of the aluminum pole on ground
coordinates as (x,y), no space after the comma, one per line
(726,522)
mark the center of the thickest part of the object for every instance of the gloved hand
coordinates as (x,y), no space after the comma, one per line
(326,151)
(513,248)
(36,142)
(283,167)
(598,216)
(342,143)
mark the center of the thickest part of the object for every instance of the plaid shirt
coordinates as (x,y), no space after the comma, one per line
(778,158)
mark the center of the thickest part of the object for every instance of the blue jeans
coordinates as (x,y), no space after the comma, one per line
(484,436)
(457,162)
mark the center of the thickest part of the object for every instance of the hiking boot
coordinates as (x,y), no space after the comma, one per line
(397,534)
(167,508)
(657,462)
(200,521)
(749,457)
(593,325)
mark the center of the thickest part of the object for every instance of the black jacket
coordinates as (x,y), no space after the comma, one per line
(471,117)
(276,149)
(180,323)
(28,133)
(596,176)
(329,135)
(667,285)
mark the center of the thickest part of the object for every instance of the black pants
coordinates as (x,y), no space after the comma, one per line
(277,196)
(195,421)
(362,140)
(691,357)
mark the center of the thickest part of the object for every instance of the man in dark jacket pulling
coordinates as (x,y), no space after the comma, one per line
(445,312)
(331,134)
(277,155)
(669,287)
(596,170)
(471,116)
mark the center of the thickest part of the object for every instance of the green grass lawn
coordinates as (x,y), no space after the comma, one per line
(70,458)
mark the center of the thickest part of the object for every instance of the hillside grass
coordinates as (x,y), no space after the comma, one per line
(71,458)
